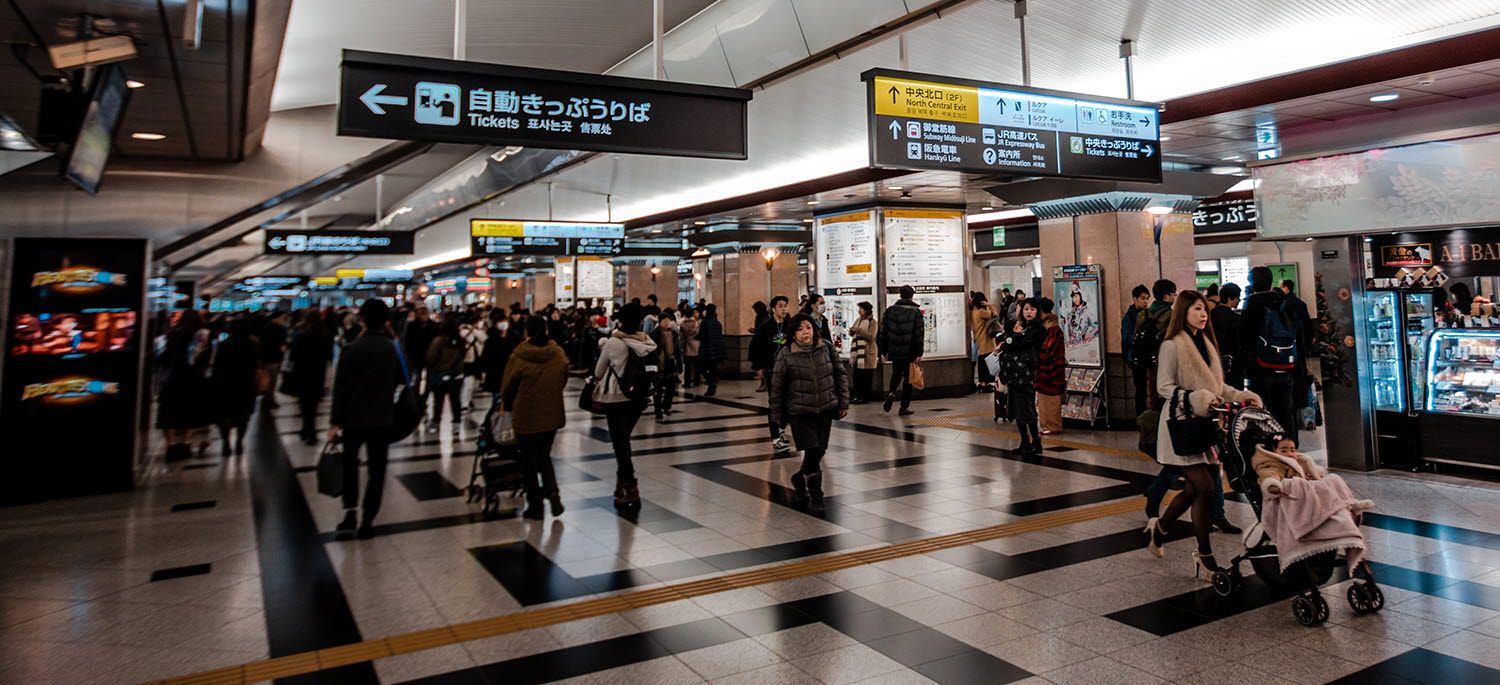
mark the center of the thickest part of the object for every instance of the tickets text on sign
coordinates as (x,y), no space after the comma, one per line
(590,115)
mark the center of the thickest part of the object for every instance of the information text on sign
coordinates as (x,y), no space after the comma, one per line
(920,121)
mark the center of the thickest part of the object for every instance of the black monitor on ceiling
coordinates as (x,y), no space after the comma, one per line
(96,135)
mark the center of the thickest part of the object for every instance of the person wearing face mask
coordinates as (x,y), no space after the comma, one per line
(499,343)
(814,309)
(809,390)
(1188,361)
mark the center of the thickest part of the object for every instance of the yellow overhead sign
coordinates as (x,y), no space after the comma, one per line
(349,273)
(496,229)
(326,280)
(922,100)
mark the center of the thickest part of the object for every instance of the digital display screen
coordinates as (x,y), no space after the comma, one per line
(73,351)
(97,134)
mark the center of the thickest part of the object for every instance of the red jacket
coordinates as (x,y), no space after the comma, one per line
(1052,361)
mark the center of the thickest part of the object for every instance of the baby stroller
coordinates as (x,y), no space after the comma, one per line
(496,466)
(1242,428)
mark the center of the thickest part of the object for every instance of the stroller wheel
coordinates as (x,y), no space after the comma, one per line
(1223,583)
(1310,610)
(1365,598)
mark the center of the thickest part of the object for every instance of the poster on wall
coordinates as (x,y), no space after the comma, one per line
(924,248)
(73,351)
(842,312)
(1283,272)
(563,281)
(1076,292)
(596,278)
(846,253)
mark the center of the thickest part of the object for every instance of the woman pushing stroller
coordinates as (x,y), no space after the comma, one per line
(1188,363)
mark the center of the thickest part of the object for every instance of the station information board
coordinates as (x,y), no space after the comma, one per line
(403,97)
(283,241)
(490,237)
(923,121)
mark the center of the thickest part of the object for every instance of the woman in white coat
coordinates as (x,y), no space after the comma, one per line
(1189,360)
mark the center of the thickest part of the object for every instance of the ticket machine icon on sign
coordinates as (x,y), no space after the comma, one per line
(437,103)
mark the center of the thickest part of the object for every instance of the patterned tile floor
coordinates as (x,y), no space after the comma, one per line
(231,560)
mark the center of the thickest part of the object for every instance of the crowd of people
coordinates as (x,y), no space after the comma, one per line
(1200,348)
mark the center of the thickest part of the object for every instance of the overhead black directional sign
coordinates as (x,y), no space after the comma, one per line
(448,101)
(488,237)
(295,242)
(922,121)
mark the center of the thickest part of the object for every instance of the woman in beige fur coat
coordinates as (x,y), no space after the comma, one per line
(1189,360)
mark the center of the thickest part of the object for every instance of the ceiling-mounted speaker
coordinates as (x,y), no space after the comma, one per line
(92,52)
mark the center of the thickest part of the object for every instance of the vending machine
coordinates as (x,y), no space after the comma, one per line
(1399,323)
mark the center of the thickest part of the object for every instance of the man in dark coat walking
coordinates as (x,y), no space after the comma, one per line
(901,340)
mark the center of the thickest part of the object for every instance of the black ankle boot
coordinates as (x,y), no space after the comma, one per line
(814,492)
(534,509)
(799,486)
(346,527)
(627,495)
(557,505)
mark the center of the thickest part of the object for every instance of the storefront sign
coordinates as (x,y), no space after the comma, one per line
(446,101)
(922,121)
(73,358)
(1225,217)
(328,241)
(547,238)
(1430,259)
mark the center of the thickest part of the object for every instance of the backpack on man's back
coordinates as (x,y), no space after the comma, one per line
(1276,342)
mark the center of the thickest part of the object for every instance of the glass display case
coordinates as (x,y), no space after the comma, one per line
(1463,372)
(1419,326)
(1387,371)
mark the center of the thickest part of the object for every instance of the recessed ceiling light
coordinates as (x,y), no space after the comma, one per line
(1232,158)
(132,84)
(148,136)
(807,221)
(1384,97)
(812,202)
(986,208)
(700,223)
(1164,138)
(893,187)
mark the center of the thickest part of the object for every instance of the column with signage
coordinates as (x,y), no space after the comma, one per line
(868,255)
(74,347)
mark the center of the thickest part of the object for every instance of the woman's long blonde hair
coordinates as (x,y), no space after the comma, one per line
(1185,301)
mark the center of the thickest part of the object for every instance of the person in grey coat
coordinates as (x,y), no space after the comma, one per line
(809,389)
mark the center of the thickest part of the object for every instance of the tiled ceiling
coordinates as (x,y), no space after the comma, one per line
(1229,138)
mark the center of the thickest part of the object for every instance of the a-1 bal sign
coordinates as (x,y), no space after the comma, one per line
(294,242)
(447,101)
(922,121)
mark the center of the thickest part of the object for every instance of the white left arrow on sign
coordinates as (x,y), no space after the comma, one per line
(276,243)
(373,99)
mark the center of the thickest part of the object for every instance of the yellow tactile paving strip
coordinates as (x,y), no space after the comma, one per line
(957,422)
(309,662)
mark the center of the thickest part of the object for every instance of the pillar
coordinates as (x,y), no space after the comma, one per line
(1122,243)
(542,286)
(639,282)
(509,290)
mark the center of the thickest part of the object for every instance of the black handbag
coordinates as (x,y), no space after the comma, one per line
(331,469)
(586,399)
(1191,435)
(407,408)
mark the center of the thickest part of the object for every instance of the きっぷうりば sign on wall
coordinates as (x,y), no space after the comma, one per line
(418,98)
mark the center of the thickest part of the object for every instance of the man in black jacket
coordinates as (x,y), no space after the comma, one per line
(369,371)
(770,336)
(1226,324)
(1280,390)
(901,340)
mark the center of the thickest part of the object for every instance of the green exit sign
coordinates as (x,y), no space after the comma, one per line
(998,234)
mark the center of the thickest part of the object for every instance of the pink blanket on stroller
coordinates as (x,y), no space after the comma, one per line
(1311,517)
